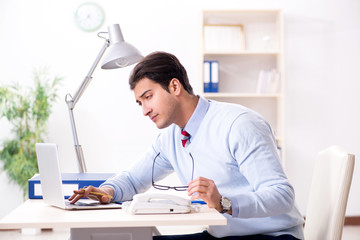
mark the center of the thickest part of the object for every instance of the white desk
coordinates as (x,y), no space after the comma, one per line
(99,224)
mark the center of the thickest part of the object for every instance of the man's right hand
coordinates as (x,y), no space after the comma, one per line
(101,194)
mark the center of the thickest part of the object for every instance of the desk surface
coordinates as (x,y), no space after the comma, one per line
(36,214)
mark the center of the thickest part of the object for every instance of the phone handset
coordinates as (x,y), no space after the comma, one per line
(158,203)
(161,197)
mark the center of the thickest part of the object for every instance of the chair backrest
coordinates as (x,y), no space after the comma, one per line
(329,194)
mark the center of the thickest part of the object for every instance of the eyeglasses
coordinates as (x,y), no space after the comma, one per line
(176,188)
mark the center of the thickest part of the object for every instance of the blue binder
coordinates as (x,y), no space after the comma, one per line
(211,76)
(71,181)
(207,76)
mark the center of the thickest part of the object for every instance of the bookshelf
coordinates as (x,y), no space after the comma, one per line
(260,48)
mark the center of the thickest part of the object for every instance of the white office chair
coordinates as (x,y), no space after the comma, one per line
(329,192)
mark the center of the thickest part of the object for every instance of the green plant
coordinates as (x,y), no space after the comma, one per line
(28,111)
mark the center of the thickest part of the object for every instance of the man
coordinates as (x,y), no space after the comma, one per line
(224,153)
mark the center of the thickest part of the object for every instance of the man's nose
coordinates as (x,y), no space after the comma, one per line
(146,110)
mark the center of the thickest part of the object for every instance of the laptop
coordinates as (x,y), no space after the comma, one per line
(51,183)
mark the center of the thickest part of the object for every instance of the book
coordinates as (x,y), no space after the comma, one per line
(261,82)
(71,182)
(268,81)
(274,84)
(224,37)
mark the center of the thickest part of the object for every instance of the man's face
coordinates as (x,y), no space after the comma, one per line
(158,104)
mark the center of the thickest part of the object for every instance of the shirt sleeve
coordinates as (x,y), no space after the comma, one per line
(252,144)
(138,178)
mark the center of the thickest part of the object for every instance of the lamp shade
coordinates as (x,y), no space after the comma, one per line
(120,53)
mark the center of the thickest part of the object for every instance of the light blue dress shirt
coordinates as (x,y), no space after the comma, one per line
(235,147)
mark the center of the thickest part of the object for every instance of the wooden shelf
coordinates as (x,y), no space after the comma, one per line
(242,52)
(241,95)
(261,50)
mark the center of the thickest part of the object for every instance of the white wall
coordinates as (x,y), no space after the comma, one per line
(322,57)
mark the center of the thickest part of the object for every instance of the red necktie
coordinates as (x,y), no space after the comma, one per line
(185,136)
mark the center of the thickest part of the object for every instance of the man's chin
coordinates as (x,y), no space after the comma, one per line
(162,126)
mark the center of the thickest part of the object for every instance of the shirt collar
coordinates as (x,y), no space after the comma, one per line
(196,118)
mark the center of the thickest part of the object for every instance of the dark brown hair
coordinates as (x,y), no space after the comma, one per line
(160,67)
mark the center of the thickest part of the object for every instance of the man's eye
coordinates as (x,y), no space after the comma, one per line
(148,96)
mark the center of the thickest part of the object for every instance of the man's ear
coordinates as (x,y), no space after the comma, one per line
(175,86)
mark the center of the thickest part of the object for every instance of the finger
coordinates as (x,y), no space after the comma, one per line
(87,191)
(72,196)
(201,179)
(104,199)
(101,198)
(194,196)
(201,182)
(76,193)
(80,191)
(198,189)
(203,197)
(93,197)
(74,200)
(198,195)
(195,181)
(200,185)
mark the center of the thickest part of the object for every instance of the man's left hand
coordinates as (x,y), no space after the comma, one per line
(206,190)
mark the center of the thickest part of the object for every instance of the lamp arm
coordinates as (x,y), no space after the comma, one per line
(88,77)
(71,102)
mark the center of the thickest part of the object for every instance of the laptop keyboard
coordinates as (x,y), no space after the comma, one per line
(79,203)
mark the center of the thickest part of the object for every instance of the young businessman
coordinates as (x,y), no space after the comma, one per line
(225,154)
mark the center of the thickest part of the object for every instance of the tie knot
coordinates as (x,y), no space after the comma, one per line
(185,133)
(185,136)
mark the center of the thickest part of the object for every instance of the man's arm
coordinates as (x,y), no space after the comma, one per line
(253,146)
(138,178)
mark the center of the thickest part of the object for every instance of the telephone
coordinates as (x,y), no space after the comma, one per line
(158,203)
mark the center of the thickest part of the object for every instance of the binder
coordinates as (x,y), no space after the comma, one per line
(207,76)
(71,181)
(214,76)
(211,76)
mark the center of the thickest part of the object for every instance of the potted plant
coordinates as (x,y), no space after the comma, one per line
(28,111)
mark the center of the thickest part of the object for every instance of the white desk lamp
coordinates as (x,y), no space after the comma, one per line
(120,54)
